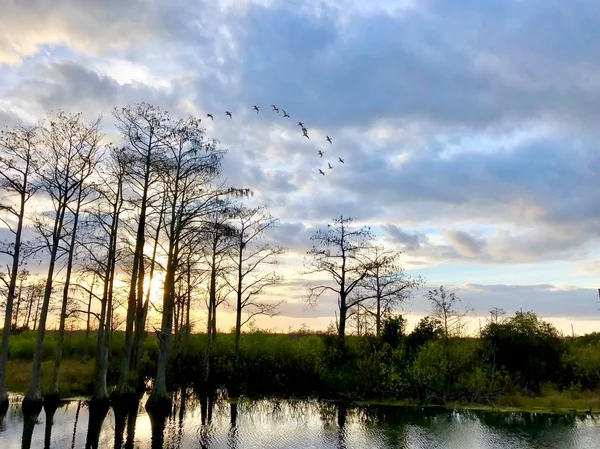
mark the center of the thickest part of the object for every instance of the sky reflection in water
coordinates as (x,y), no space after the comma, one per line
(218,424)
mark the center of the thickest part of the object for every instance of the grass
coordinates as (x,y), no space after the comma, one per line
(301,365)
(76,377)
(559,403)
(553,400)
(77,380)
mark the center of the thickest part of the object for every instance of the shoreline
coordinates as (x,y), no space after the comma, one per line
(16,397)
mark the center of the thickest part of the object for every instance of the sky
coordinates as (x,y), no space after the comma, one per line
(468,129)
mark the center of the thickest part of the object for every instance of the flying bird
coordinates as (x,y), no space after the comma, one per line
(275,108)
(229,114)
(322,172)
(305,134)
(330,167)
(301,125)
(285,114)
(341,160)
(256,108)
(329,140)
(304,130)
(320,153)
(211,116)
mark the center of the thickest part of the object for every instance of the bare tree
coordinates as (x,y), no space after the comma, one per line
(190,164)
(445,309)
(497,316)
(339,253)
(89,155)
(18,148)
(104,219)
(69,143)
(217,235)
(386,285)
(36,291)
(145,130)
(247,279)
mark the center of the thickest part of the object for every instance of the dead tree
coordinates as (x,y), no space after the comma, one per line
(89,156)
(145,130)
(217,236)
(102,248)
(191,162)
(248,279)
(19,151)
(444,308)
(339,252)
(386,285)
(69,143)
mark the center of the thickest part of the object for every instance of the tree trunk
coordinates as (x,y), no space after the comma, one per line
(89,309)
(37,312)
(65,298)
(16,320)
(209,325)
(33,393)
(159,394)
(238,314)
(165,335)
(105,325)
(342,327)
(9,303)
(378,313)
(189,299)
(132,299)
(29,307)
(140,333)
(140,316)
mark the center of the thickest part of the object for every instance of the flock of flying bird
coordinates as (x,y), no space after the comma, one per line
(300,124)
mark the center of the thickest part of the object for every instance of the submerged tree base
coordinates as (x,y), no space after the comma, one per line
(32,406)
(52,401)
(125,400)
(159,404)
(3,406)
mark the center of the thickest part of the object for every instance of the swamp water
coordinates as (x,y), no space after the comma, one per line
(215,424)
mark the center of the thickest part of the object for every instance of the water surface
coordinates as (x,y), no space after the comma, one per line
(195,423)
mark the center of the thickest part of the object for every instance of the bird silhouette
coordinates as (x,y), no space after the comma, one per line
(330,167)
(329,140)
(304,130)
(275,108)
(341,160)
(229,114)
(320,153)
(301,125)
(211,116)
(305,134)
(285,114)
(256,108)
(322,172)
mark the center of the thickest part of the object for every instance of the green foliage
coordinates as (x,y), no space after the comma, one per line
(393,330)
(538,344)
(428,329)
(420,366)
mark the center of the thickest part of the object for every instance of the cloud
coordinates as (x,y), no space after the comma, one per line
(547,300)
(466,244)
(410,242)
(468,130)
(85,26)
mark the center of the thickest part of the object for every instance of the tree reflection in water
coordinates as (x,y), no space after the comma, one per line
(215,422)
